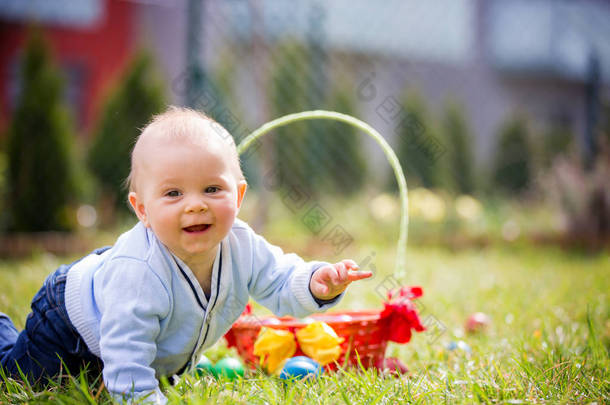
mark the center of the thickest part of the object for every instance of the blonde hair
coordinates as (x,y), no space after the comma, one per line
(184,123)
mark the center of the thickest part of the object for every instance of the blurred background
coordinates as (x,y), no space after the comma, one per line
(498,110)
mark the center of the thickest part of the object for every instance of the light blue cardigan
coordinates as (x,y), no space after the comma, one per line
(142,311)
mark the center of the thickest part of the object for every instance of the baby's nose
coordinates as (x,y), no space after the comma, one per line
(196,204)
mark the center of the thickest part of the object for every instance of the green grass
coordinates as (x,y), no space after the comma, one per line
(548,341)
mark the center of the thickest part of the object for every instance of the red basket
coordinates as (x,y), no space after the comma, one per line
(363,332)
(366,333)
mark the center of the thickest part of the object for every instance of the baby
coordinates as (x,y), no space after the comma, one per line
(173,285)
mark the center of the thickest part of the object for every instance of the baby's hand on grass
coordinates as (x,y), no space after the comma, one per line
(329,281)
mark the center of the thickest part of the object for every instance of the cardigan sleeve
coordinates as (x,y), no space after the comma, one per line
(132,302)
(280,281)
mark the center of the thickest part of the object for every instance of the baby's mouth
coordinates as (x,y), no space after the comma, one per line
(197,228)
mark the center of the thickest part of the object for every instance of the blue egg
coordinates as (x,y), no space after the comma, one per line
(460,344)
(300,367)
(464,346)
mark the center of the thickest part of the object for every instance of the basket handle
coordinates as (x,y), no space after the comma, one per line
(399,269)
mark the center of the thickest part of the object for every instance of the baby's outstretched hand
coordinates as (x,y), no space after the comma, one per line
(329,281)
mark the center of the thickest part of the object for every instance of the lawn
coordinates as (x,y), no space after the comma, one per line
(548,340)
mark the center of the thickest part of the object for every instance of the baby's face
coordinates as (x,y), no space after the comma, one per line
(188,193)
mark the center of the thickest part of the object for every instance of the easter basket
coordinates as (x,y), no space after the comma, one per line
(364,334)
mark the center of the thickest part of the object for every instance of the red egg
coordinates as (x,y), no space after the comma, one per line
(477,322)
(391,365)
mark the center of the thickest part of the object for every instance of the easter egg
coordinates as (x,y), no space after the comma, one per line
(300,367)
(477,322)
(460,344)
(464,346)
(228,367)
(391,365)
(204,366)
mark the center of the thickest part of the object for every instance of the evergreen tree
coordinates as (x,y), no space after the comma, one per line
(295,147)
(220,82)
(128,109)
(40,169)
(215,100)
(512,166)
(557,140)
(419,148)
(228,112)
(460,159)
(4,214)
(605,123)
(345,165)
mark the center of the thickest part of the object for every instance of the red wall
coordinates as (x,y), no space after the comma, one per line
(100,52)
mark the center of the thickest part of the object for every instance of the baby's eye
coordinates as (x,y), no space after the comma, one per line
(173,193)
(212,189)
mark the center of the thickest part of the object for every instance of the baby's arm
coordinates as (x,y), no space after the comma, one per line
(280,281)
(329,281)
(132,301)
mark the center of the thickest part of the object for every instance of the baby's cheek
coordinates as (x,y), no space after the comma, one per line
(226,214)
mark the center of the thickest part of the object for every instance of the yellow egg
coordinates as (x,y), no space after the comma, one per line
(320,342)
(274,346)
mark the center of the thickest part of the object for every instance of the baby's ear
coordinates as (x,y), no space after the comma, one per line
(241,191)
(138,207)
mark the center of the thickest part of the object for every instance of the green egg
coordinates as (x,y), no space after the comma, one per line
(229,367)
(203,367)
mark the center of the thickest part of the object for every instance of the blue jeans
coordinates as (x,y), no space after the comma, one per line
(49,345)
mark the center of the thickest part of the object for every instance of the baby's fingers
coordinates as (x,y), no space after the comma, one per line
(358,275)
(320,286)
(340,275)
(350,264)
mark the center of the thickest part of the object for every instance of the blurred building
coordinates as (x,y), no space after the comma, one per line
(91,42)
(495,57)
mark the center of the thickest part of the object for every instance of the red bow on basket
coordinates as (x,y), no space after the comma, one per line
(400,314)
